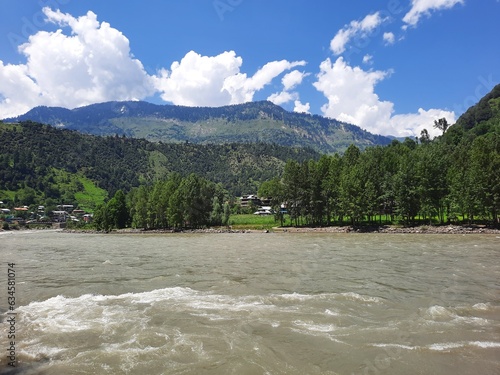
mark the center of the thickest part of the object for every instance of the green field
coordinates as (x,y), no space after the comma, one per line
(250,221)
(91,196)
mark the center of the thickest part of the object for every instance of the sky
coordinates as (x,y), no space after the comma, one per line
(391,67)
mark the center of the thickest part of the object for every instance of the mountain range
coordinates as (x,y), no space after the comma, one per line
(52,164)
(242,123)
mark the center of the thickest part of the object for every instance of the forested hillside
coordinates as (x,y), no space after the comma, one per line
(455,177)
(42,164)
(253,122)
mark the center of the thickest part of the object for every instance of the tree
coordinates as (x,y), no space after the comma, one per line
(330,186)
(424,137)
(102,219)
(117,207)
(351,185)
(406,198)
(175,209)
(292,190)
(485,174)
(273,189)
(139,207)
(217,212)
(227,214)
(432,162)
(441,124)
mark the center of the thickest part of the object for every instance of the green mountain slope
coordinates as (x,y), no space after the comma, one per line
(43,162)
(480,119)
(242,123)
(486,111)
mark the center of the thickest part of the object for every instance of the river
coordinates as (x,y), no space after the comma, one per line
(251,303)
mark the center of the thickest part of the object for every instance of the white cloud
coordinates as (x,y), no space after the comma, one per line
(283,97)
(242,88)
(389,38)
(350,93)
(198,80)
(215,80)
(355,29)
(351,98)
(412,124)
(92,65)
(420,8)
(301,108)
(290,81)
(293,79)
(367,59)
(18,92)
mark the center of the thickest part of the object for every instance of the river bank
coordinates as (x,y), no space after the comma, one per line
(391,229)
(423,229)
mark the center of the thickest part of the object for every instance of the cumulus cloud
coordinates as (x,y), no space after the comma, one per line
(355,29)
(290,81)
(351,96)
(93,64)
(87,61)
(367,59)
(215,80)
(198,80)
(389,38)
(293,79)
(242,88)
(18,92)
(300,107)
(421,8)
(412,124)
(350,93)
(282,97)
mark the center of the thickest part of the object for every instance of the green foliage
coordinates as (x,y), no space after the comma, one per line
(72,168)
(117,210)
(156,185)
(486,109)
(250,221)
(102,218)
(178,202)
(405,181)
(90,196)
(254,122)
(454,176)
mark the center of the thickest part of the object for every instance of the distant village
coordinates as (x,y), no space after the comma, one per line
(24,215)
(262,205)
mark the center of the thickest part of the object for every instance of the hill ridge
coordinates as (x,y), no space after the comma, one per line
(260,121)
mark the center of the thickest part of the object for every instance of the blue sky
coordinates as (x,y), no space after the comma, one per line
(390,66)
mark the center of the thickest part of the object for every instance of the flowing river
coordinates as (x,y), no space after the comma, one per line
(250,303)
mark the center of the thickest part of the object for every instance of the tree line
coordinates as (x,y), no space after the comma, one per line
(175,202)
(416,180)
(33,156)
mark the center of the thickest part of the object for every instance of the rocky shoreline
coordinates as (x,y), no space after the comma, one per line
(423,229)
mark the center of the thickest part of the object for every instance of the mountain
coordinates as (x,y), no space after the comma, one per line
(47,163)
(480,119)
(485,113)
(243,123)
